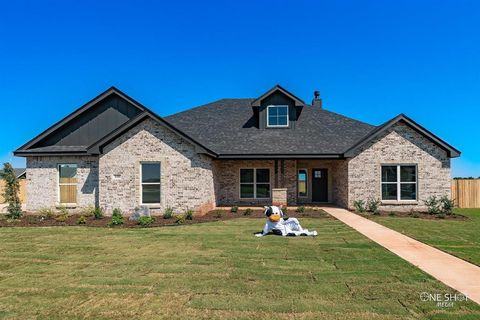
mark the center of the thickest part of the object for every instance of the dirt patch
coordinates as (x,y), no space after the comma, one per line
(408,214)
(33,220)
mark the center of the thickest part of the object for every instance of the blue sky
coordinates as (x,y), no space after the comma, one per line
(371,60)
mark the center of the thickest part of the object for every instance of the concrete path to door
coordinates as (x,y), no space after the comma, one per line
(452,271)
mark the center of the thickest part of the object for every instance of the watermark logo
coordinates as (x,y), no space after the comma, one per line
(443,300)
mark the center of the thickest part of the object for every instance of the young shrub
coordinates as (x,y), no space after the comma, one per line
(45,213)
(446,205)
(441,216)
(234,209)
(88,212)
(10,193)
(117,217)
(218,214)
(145,221)
(373,205)
(189,215)
(248,212)
(82,220)
(168,214)
(433,205)
(98,213)
(416,215)
(62,217)
(359,206)
(391,214)
(300,209)
(179,218)
(62,211)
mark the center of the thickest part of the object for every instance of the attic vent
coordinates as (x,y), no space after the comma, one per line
(317,101)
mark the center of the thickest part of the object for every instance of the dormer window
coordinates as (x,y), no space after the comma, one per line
(277,116)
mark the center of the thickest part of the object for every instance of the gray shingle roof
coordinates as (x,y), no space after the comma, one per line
(227,127)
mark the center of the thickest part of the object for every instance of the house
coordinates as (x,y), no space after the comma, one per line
(113,152)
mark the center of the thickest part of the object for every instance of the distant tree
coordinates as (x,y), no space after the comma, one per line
(10,194)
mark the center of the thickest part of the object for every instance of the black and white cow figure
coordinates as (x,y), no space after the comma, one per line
(286,227)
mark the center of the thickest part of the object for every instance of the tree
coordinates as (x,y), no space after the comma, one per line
(10,194)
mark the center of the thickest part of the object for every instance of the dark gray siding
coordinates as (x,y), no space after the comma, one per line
(93,124)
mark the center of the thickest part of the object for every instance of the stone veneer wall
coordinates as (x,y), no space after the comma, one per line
(400,145)
(186,176)
(42,181)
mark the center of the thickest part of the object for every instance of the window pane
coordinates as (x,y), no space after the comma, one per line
(389,173)
(68,173)
(272,111)
(263,190)
(246,175)
(282,121)
(272,121)
(282,111)
(408,191)
(263,175)
(302,183)
(150,172)
(68,194)
(389,191)
(246,190)
(151,193)
(407,174)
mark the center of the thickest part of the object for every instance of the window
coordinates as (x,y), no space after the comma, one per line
(277,116)
(302,182)
(67,183)
(254,183)
(399,182)
(150,173)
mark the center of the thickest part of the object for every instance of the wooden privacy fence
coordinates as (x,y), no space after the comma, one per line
(466,193)
(23,189)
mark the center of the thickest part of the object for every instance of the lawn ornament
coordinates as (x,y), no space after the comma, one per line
(278,225)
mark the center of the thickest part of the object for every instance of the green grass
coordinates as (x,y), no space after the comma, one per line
(458,237)
(213,270)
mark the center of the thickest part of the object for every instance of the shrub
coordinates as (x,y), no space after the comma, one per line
(45,213)
(416,215)
(433,205)
(117,217)
(145,221)
(168,214)
(391,214)
(10,193)
(441,216)
(300,209)
(218,214)
(82,220)
(63,211)
(88,211)
(373,205)
(234,209)
(98,213)
(62,217)
(179,218)
(446,205)
(284,210)
(359,206)
(189,215)
(248,212)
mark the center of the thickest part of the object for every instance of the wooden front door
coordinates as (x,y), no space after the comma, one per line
(319,185)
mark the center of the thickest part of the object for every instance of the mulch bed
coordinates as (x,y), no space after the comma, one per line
(32,220)
(408,214)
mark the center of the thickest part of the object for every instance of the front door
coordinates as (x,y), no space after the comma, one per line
(319,185)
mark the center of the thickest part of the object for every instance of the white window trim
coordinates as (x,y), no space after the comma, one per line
(150,183)
(66,184)
(254,183)
(277,125)
(306,183)
(399,183)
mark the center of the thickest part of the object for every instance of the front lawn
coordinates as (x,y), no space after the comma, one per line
(460,237)
(211,270)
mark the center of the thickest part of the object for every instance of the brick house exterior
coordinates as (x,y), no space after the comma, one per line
(115,153)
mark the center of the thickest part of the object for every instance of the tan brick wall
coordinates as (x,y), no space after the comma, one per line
(400,145)
(186,177)
(42,181)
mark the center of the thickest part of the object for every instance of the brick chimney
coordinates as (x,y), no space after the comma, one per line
(317,101)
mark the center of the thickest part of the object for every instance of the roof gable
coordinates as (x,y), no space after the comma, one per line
(257,102)
(452,152)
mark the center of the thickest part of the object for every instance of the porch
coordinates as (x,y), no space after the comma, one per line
(291,182)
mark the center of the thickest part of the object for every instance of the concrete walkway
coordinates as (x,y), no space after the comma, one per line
(454,272)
